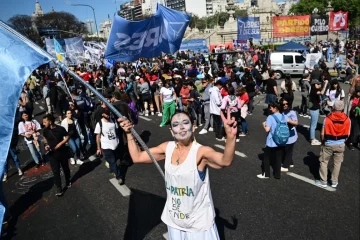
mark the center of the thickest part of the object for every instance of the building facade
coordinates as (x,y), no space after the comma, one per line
(196,7)
(149,7)
(131,11)
(105,28)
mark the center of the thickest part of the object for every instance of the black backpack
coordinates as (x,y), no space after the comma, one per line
(60,93)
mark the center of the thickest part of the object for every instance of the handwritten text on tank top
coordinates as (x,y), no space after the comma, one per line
(175,211)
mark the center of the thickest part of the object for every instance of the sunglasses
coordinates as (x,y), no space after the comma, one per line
(285,104)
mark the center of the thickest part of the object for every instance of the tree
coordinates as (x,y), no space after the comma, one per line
(201,24)
(239,13)
(211,21)
(193,21)
(24,25)
(223,17)
(63,21)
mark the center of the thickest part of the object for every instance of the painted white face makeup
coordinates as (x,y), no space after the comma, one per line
(181,127)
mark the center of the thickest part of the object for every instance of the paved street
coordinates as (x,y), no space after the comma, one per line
(247,207)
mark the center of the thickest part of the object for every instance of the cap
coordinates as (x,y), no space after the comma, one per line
(137,77)
(306,75)
(315,82)
(177,76)
(339,105)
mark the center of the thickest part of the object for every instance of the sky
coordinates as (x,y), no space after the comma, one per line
(103,8)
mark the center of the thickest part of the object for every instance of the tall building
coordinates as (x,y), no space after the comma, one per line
(131,11)
(196,7)
(38,10)
(214,6)
(149,6)
(105,28)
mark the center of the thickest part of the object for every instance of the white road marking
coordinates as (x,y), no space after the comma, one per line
(240,154)
(41,107)
(123,189)
(92,158)
(166,235)
(36,103)
(145,118)
(304,126)
(311,181)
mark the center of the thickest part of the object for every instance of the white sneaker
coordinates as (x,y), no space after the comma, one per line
(291,166)
(79,162)
(301,115)
(203,131)
(107,165)
(152,113)
(20,172)
(211,129)
(146,114)
(262,176)
(220,139)
(72,161)
(237,140)
(200,124)
(315,142)
(4,178)
(160,114)
(284,169)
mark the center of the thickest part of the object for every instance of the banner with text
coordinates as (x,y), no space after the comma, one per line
(291,26)
(194,45)
(319,25)
(338,21)
(248,27)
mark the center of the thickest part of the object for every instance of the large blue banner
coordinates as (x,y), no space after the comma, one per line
(249,27)
(194,45)
(161,33)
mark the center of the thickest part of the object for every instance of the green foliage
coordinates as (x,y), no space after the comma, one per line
(222,18)
(23,24)
(201,24)
(240,13)
(193,21)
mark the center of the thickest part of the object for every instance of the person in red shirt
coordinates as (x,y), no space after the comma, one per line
(244,101)
(224,90)
(185,94)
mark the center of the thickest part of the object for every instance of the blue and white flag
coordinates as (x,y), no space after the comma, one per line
(17,61)
(194,45)
(249,27)
(161,33)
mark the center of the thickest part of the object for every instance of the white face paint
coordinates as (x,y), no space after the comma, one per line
(181,127)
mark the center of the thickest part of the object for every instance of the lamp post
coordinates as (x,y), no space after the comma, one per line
(315,12)
(85,5)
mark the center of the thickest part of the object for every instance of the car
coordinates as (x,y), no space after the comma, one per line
(283,63)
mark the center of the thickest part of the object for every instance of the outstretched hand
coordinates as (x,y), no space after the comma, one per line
(230,125)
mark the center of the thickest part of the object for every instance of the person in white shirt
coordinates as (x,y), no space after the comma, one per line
(30,130)
(334,93)
(215,104)
(189,209)
(168,101)
(107,142)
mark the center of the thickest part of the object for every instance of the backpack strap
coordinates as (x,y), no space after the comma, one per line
(100,123)
(275,117)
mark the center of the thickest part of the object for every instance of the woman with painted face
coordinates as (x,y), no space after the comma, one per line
(189,209)
(292,121)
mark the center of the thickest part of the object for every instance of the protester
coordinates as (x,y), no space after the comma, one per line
(168,100)
(334,93)
(231,103)
(271,88)
(305,91)
(13,154)
(335,131)
(215,103)
(288,87)
(146,97)
(244,101)
(55,138)
(186,156)
(354,114)
(205,100)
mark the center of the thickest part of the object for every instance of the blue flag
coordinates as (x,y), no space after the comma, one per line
(194,45)
(17,61)
(248,27)
(59,50)
(161,33)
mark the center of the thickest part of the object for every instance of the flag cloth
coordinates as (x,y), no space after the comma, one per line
(161,33)
(58,50)
(17,61)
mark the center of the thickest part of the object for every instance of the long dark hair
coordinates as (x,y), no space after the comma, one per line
(288,84)
(338,88)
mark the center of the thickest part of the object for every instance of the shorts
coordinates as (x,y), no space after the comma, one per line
(211,234)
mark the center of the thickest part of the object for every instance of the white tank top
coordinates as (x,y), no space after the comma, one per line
(189,206)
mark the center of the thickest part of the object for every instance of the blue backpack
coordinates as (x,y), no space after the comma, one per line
(282,132)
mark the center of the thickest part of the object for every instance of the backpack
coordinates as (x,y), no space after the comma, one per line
(60,93)
(282,132)
(83,104)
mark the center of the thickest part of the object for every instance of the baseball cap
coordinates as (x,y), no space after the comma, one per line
(175,69)
(339,105)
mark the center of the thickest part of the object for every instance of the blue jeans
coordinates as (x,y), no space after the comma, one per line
(75,146)
(13,155)
(244,125)
(329,57)
(181,107)
(36,155)
(111,157)
(314,117)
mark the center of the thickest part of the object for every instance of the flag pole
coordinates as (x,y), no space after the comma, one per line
(80,80)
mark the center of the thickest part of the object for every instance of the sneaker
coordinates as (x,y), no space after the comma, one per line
(20,172)
(79,162)
(315,142)
(196,127)
(211,129)
(321,184)
(68,185)
(146,114)
(121,181)
(249,113)
(152,113)
(262,176)
(160,115)
(59,192)
(141,113)
(301,115)
(351,147)
(72,161)
(237,140)
(203,131)
(284,169)
(306,116)
(291,166)
(200,124)
(242,135)
(334,184)
(107,164)
(4,178)
(220,139)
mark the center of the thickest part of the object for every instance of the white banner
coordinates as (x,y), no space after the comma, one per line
(312,59)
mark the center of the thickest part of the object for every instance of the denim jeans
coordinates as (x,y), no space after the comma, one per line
(111,157)
(36,155)
(314,117)
(12,153)
(181,107)
(75,146)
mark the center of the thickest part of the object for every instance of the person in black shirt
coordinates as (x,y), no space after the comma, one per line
(271,88)
(55,138)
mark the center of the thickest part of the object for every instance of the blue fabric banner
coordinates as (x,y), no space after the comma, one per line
(194,45)
(161,33)
(71,49)
(17,61)
(249,27)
